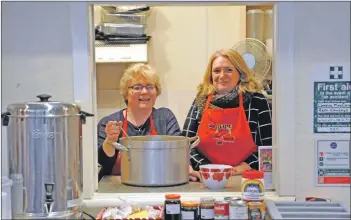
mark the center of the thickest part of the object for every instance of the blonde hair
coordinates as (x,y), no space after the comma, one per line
(248,82)
(139,70)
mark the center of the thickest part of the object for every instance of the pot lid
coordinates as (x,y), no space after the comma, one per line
(43,108)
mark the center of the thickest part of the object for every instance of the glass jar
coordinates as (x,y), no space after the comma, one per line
(207,208)
(172,207)
(190,210)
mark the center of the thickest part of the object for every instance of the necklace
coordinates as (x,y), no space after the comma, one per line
(138,128)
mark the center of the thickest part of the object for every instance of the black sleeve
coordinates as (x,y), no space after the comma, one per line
(105,161)
(190,128)
(191,122)
(264,128)
(252,161)
(265,123)
(197,159)
(172,126)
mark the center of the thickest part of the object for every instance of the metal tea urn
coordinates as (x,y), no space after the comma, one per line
(45,155)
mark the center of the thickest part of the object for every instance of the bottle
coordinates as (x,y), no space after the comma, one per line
(6,211)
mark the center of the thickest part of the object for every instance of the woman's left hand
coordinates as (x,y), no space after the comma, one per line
(238,170)
(194,175)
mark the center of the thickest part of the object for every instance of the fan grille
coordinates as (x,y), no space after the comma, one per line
(258,51)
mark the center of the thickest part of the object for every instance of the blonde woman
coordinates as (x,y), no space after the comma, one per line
(230,114)
(140,86)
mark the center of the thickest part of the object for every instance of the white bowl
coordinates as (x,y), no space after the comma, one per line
(215,180)
(215,168)
(215,176)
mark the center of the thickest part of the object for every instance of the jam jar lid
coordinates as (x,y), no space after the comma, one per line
(253,174)
(172,196)
(190,204)
(207,199)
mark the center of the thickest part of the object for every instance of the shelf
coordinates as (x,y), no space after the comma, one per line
(120,53)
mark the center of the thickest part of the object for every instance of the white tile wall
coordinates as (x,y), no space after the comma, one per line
(36,53)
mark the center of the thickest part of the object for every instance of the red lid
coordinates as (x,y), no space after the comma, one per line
(252,174)
(172,196)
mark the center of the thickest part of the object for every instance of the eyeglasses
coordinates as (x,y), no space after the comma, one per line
(139,88)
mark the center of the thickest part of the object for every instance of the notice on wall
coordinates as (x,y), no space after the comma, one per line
(332,107)
(265,155)
(332,163)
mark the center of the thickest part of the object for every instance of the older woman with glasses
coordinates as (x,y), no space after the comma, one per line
(140,86)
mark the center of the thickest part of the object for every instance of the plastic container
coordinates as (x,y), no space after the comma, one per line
(255,24)
(101,213)
(6,211)
(18,194)
(252,186)
(124,19)
(127,30)
(268,24)
(269,45)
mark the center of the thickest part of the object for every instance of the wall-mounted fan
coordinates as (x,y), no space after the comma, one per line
(255,55)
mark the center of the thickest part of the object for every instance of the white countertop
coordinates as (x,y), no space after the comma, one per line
(111,188)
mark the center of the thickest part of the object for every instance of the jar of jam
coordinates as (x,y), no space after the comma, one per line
(189,210)
(207,208)
(172,207)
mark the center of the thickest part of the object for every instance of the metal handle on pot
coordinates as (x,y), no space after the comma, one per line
(5,118)
(84,115)
(197,141)
(119,146)
(44,97)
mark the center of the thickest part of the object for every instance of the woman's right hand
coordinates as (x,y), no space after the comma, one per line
(113,129)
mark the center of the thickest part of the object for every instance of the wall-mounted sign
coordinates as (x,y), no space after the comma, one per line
(265,155)
(332,163)
(336,72)
(332,107)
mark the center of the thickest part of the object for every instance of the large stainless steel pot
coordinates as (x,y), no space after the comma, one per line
(155,160)
(44,140)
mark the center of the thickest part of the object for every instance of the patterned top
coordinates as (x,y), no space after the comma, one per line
(258,113)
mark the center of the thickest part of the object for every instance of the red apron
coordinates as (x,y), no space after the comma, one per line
(225,135)
(116,170)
